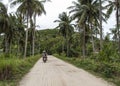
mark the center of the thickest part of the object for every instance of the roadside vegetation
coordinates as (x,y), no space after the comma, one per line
(12,69)
(18,39)
(79,38)
(110,71)
(105,63)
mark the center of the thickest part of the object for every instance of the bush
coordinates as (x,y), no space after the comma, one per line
(14,68)
(108,69)
(7,68)
(73,52)
(108,54)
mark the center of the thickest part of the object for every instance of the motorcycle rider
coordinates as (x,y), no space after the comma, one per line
(44,55)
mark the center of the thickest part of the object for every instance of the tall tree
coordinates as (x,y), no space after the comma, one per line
(118,20)
(17,32)
(115,5)
(30,9)
(85,12)
(79,10)
(114,35)
(38,10)
(101,29)
(66,28)
(26,9)
(4,25)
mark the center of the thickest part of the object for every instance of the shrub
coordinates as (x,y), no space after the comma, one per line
(108,69)
(15,68)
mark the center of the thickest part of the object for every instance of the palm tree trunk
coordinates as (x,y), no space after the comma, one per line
(26,39)
(93,43)
(117,19)
(84,51)
(6,44)
(18,47)
(92,37)
(10,46)
(96,35)
(39,49)
(33,40)
(63,44)
(67,43)
(30,49)
(67,48)
(100,18)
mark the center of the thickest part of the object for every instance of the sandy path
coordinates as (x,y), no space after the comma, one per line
(59,73)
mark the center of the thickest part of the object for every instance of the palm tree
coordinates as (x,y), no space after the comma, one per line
(118,20)
(30,8)
(93,19)
(85,12)
(95,32)
(114,33)
(66,28)
(101,30)
(17,32)
(4,25)
(26,10)
(115,5)
(79,13)
(38,10)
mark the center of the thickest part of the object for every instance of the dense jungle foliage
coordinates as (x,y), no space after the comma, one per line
(79,38)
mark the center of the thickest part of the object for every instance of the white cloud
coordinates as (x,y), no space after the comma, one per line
(53,10)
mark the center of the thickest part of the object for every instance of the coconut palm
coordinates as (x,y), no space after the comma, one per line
(114,34)
(28,9)
(79,13)
(82,11)
(66,28)
(17,32)
(87,13)
(4,26)
(38,10)
(115,5)
(101,30)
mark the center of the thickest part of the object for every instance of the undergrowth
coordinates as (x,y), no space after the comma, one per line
(108,70)
(12,69)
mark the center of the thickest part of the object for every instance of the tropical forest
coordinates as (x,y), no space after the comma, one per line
(79,52)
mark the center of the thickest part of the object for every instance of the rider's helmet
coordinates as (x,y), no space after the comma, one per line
(44,51)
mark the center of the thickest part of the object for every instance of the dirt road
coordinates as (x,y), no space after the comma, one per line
(59,73)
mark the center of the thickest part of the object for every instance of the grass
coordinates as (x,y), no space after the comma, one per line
(13,69)
(106,70)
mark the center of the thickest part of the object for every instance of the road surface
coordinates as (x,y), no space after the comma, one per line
(59,73)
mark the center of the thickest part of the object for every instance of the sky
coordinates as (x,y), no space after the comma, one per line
(54,8)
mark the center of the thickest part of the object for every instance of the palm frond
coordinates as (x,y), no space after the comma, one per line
(110,10)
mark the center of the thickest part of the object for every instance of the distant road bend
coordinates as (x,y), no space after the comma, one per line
(59,73)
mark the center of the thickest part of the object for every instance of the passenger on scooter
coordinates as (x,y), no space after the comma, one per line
(44,56)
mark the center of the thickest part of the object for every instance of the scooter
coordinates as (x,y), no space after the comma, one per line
(44,59)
